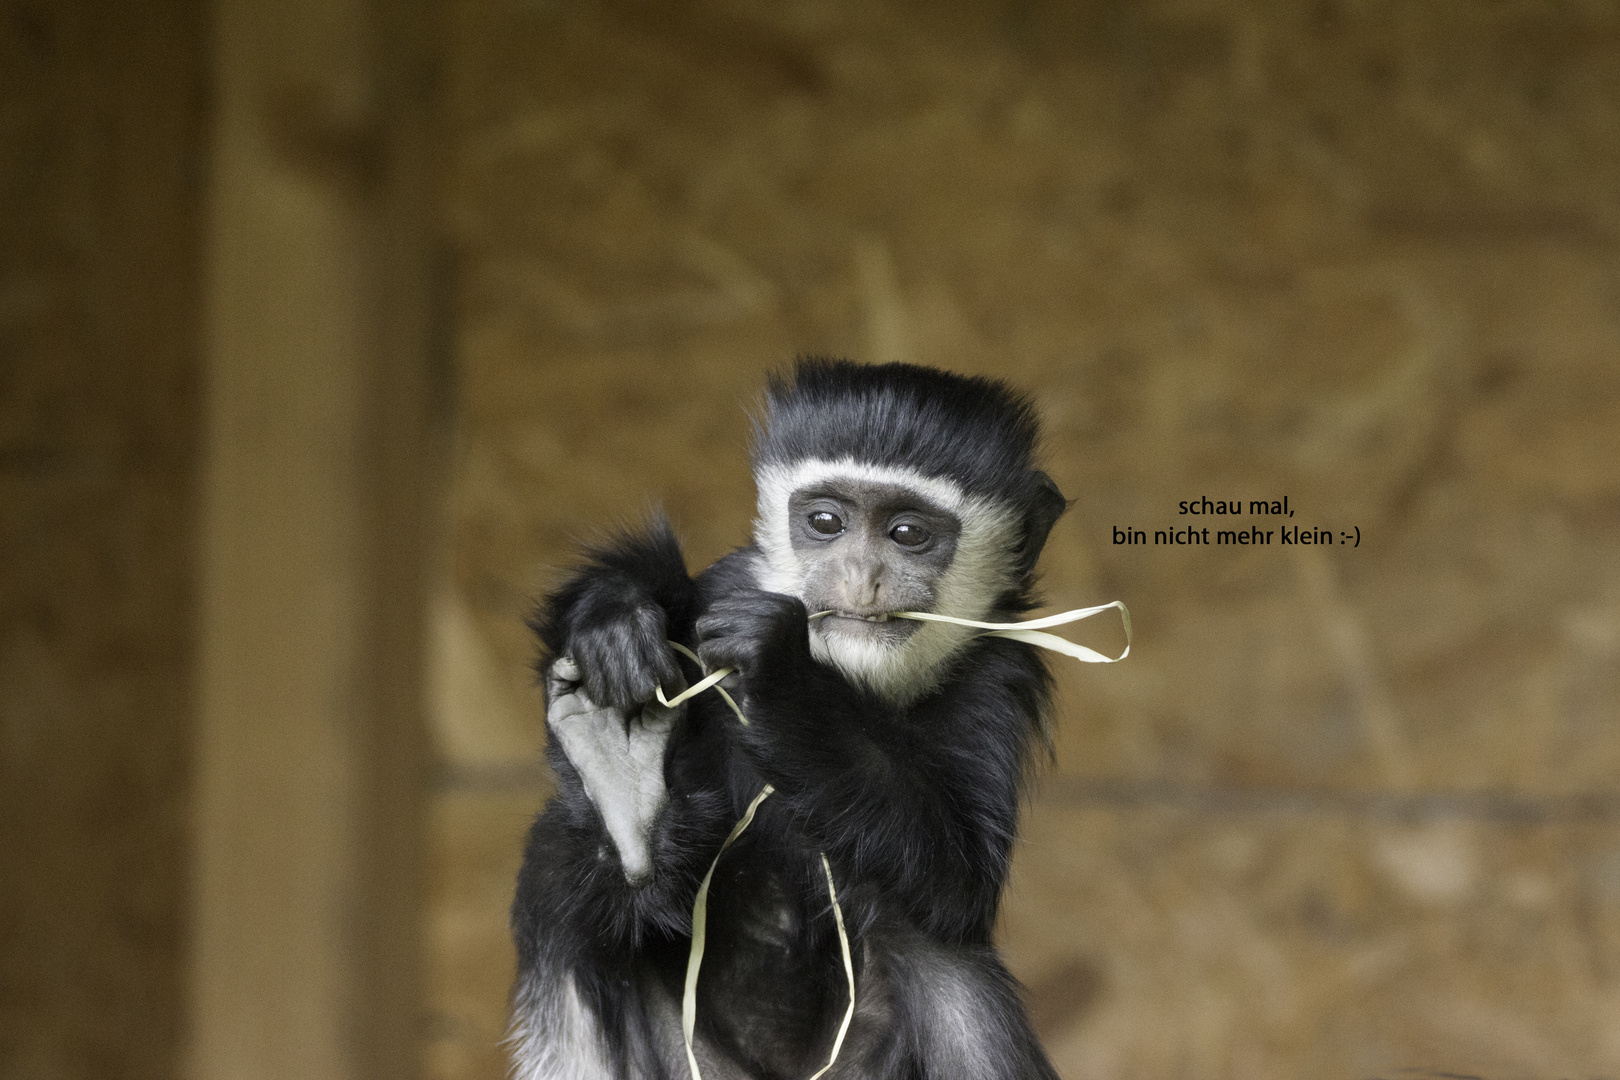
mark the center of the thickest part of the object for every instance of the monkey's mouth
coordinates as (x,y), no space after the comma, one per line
(879,626)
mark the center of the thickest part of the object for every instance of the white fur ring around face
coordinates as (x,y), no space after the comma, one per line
(620,760)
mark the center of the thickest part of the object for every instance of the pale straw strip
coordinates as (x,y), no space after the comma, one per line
(1060,645)
(1030,632)
(1045,622)
(708,681)
(849,971)
(700,911)
(695,689)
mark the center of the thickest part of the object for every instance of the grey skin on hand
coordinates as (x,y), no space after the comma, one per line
(619,755)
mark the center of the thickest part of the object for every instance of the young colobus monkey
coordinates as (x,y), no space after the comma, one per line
(898,748)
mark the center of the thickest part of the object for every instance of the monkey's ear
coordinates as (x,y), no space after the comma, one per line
(1043,506)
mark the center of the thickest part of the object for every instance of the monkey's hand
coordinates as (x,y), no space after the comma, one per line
(764,635)
(619,756)
(618,643)
(798,723)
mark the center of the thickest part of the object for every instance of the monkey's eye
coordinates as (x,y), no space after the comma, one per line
(907,535)
(826,523)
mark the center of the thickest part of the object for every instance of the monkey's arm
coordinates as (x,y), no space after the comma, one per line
(619,848)
(922,802)
(618,851)
(614,615)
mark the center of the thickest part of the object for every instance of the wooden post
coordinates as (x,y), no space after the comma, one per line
(311,750)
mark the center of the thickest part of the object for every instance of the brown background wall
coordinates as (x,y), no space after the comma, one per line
(101,130)
(1345,809)
(213,460)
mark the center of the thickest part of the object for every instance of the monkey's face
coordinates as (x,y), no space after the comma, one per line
(867,550)
(863,541)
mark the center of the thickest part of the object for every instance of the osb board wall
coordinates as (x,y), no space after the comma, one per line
(1347,808)
(101,109)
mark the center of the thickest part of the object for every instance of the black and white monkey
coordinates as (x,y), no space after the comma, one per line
(898,748)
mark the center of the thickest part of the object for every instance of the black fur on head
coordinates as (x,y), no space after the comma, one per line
(976,431)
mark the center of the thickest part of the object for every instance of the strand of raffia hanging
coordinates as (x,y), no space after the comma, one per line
(700,905)
(1029,632)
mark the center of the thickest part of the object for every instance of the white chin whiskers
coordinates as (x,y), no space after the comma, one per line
(897,670)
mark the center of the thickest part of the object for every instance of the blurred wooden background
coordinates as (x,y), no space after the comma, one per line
(1345,811)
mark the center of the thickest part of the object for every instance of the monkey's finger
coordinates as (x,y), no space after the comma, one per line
(566,705)
(714,653)
(562,676)
(636,685)
(656,719)
(674,683)
(666,672)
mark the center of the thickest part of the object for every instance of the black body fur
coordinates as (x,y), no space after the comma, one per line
(914,805)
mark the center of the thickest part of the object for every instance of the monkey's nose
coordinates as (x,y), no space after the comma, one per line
(863,588)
